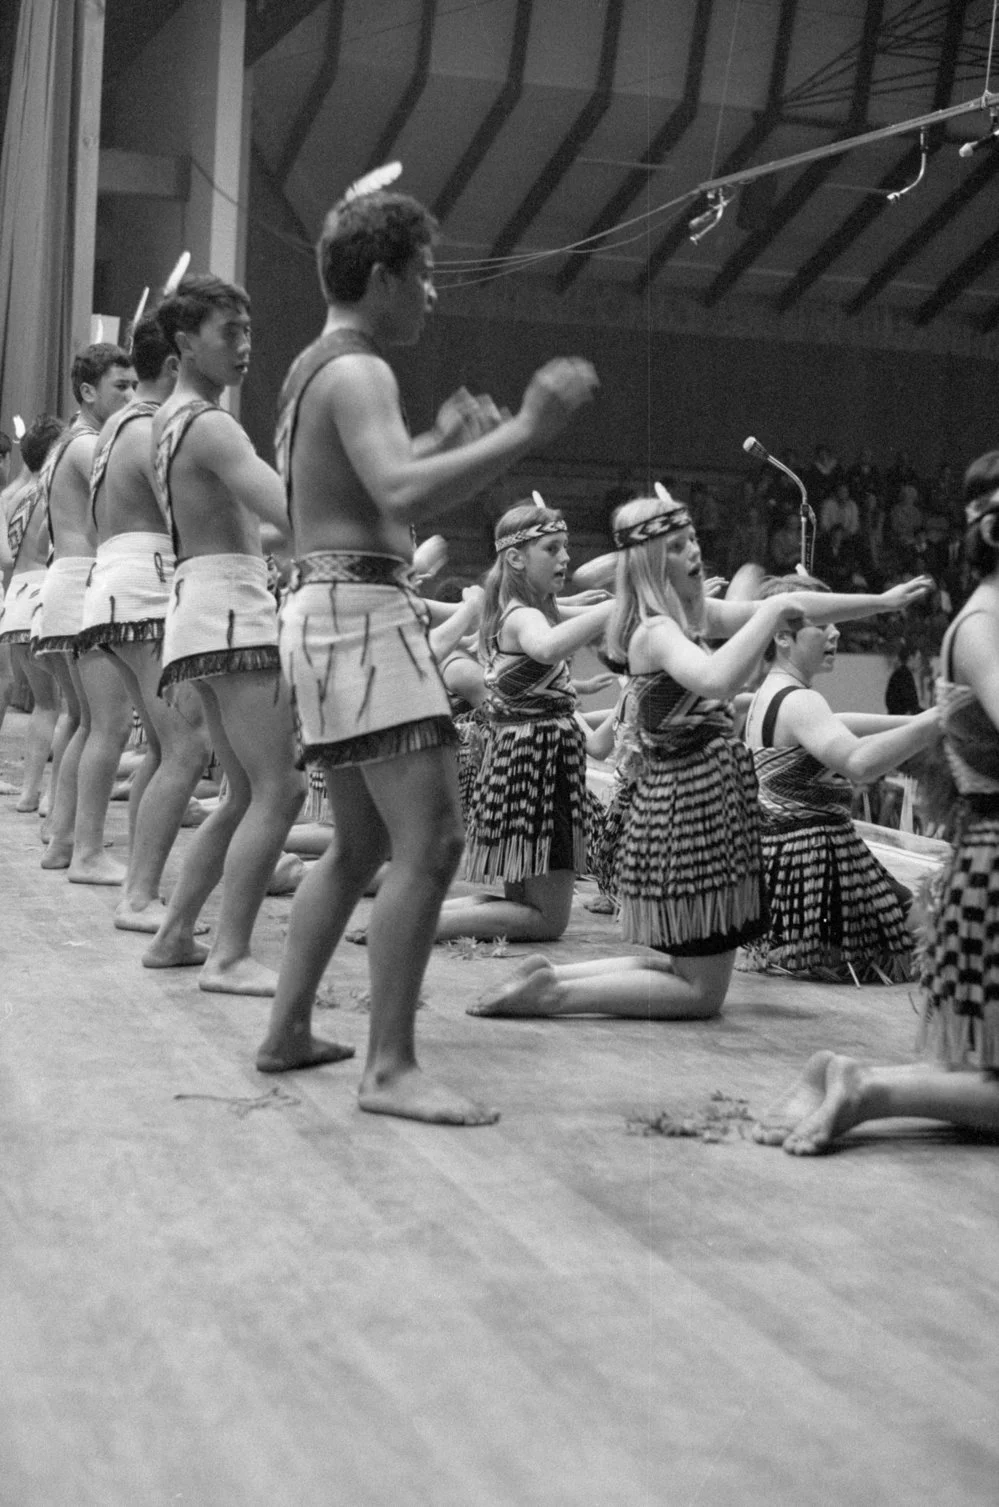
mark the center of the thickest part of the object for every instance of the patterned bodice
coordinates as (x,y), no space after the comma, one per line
(670,720)
(521,689)
(793,783)
(971,740)
(17,523)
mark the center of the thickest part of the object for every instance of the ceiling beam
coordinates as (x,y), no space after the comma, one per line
(295,221)
(574,140)
(941,217)
(315,96)
(129,29)
(661,144)
(962,277)
(266,28)
(413,91)
(744,149)
(815,175)
(496,117)
(874,205)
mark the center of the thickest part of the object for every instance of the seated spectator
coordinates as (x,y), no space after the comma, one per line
(872,535)
(864,476)
(901,473)
(785,547)
(904,518)
(840,509)
(706,513)
(901,693)
(839,560)
(822,477)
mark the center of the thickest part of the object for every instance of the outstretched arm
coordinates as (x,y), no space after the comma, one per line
(533,634)
(810,721)
(723,618)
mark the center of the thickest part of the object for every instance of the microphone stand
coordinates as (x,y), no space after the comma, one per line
(807,515)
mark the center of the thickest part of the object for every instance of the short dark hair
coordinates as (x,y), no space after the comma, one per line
(196,299)
(150,348)
(90,364)
(38,439)
(374,228)
(778,586)
(6,443)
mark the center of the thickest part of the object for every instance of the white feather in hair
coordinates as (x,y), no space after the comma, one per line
(538,500)
(370,183)
(173,281)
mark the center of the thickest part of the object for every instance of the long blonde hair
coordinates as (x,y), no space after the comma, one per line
(504,584)
(641,586)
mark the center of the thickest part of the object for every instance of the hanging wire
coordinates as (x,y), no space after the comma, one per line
(992,40)
(724,96)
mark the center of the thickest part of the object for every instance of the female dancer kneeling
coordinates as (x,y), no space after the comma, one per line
(831,902)
(960,1084)
(688,868)
(526,823)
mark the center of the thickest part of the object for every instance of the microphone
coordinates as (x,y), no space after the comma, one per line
(753,447)
(970,147)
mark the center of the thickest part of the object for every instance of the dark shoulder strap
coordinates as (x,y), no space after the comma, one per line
(17,523)
(770,715)
(124,416)
(49,467)
(335,343)
(176,426)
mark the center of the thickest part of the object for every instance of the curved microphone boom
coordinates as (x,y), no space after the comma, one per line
(753,447)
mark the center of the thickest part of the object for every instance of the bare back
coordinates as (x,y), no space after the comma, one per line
(208,519)
(126,501)
(330,506)
(70,524)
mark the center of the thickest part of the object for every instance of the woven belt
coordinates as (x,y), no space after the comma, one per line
(327,567)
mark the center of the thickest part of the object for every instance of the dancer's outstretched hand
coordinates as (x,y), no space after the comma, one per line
(898,598)
(463,418)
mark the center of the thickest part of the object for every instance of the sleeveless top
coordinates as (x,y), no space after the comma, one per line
(793,783)
(671,721)
(521,689)
(133,410)
(971,740)
(47,473)
(17,523)
(343,342)
(167,446)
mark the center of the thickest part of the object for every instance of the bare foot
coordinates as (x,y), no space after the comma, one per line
(839,1110)
(412,1097)
(100,870)
(43,805)
(148,918)
(801,1099)
(530,990)
(299,1049)
(243,977)
(7,789)
(57,855)
(600,905)
(175,952)
(358,936)
(27,803)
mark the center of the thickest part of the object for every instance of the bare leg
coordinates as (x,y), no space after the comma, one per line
(633,988)
(536,910)
(854,1094)
(62,817)
(41,725)
(249,719)
(417,799)
(110,721)
(323,905)
(178,749)
(8,681)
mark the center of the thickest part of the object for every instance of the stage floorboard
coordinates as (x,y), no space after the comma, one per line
(229,1290)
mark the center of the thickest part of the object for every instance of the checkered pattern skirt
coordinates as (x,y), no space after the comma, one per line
(961,965)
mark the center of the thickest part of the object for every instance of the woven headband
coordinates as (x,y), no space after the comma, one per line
(652,528)
(533,531)
(979,507)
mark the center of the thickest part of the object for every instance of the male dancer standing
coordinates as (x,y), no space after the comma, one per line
(123,616)
(372,709)
(103,381)
(221,634)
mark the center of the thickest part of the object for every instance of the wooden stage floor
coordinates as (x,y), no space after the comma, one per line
(227,1290)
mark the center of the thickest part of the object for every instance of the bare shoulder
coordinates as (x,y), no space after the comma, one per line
(359,376)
